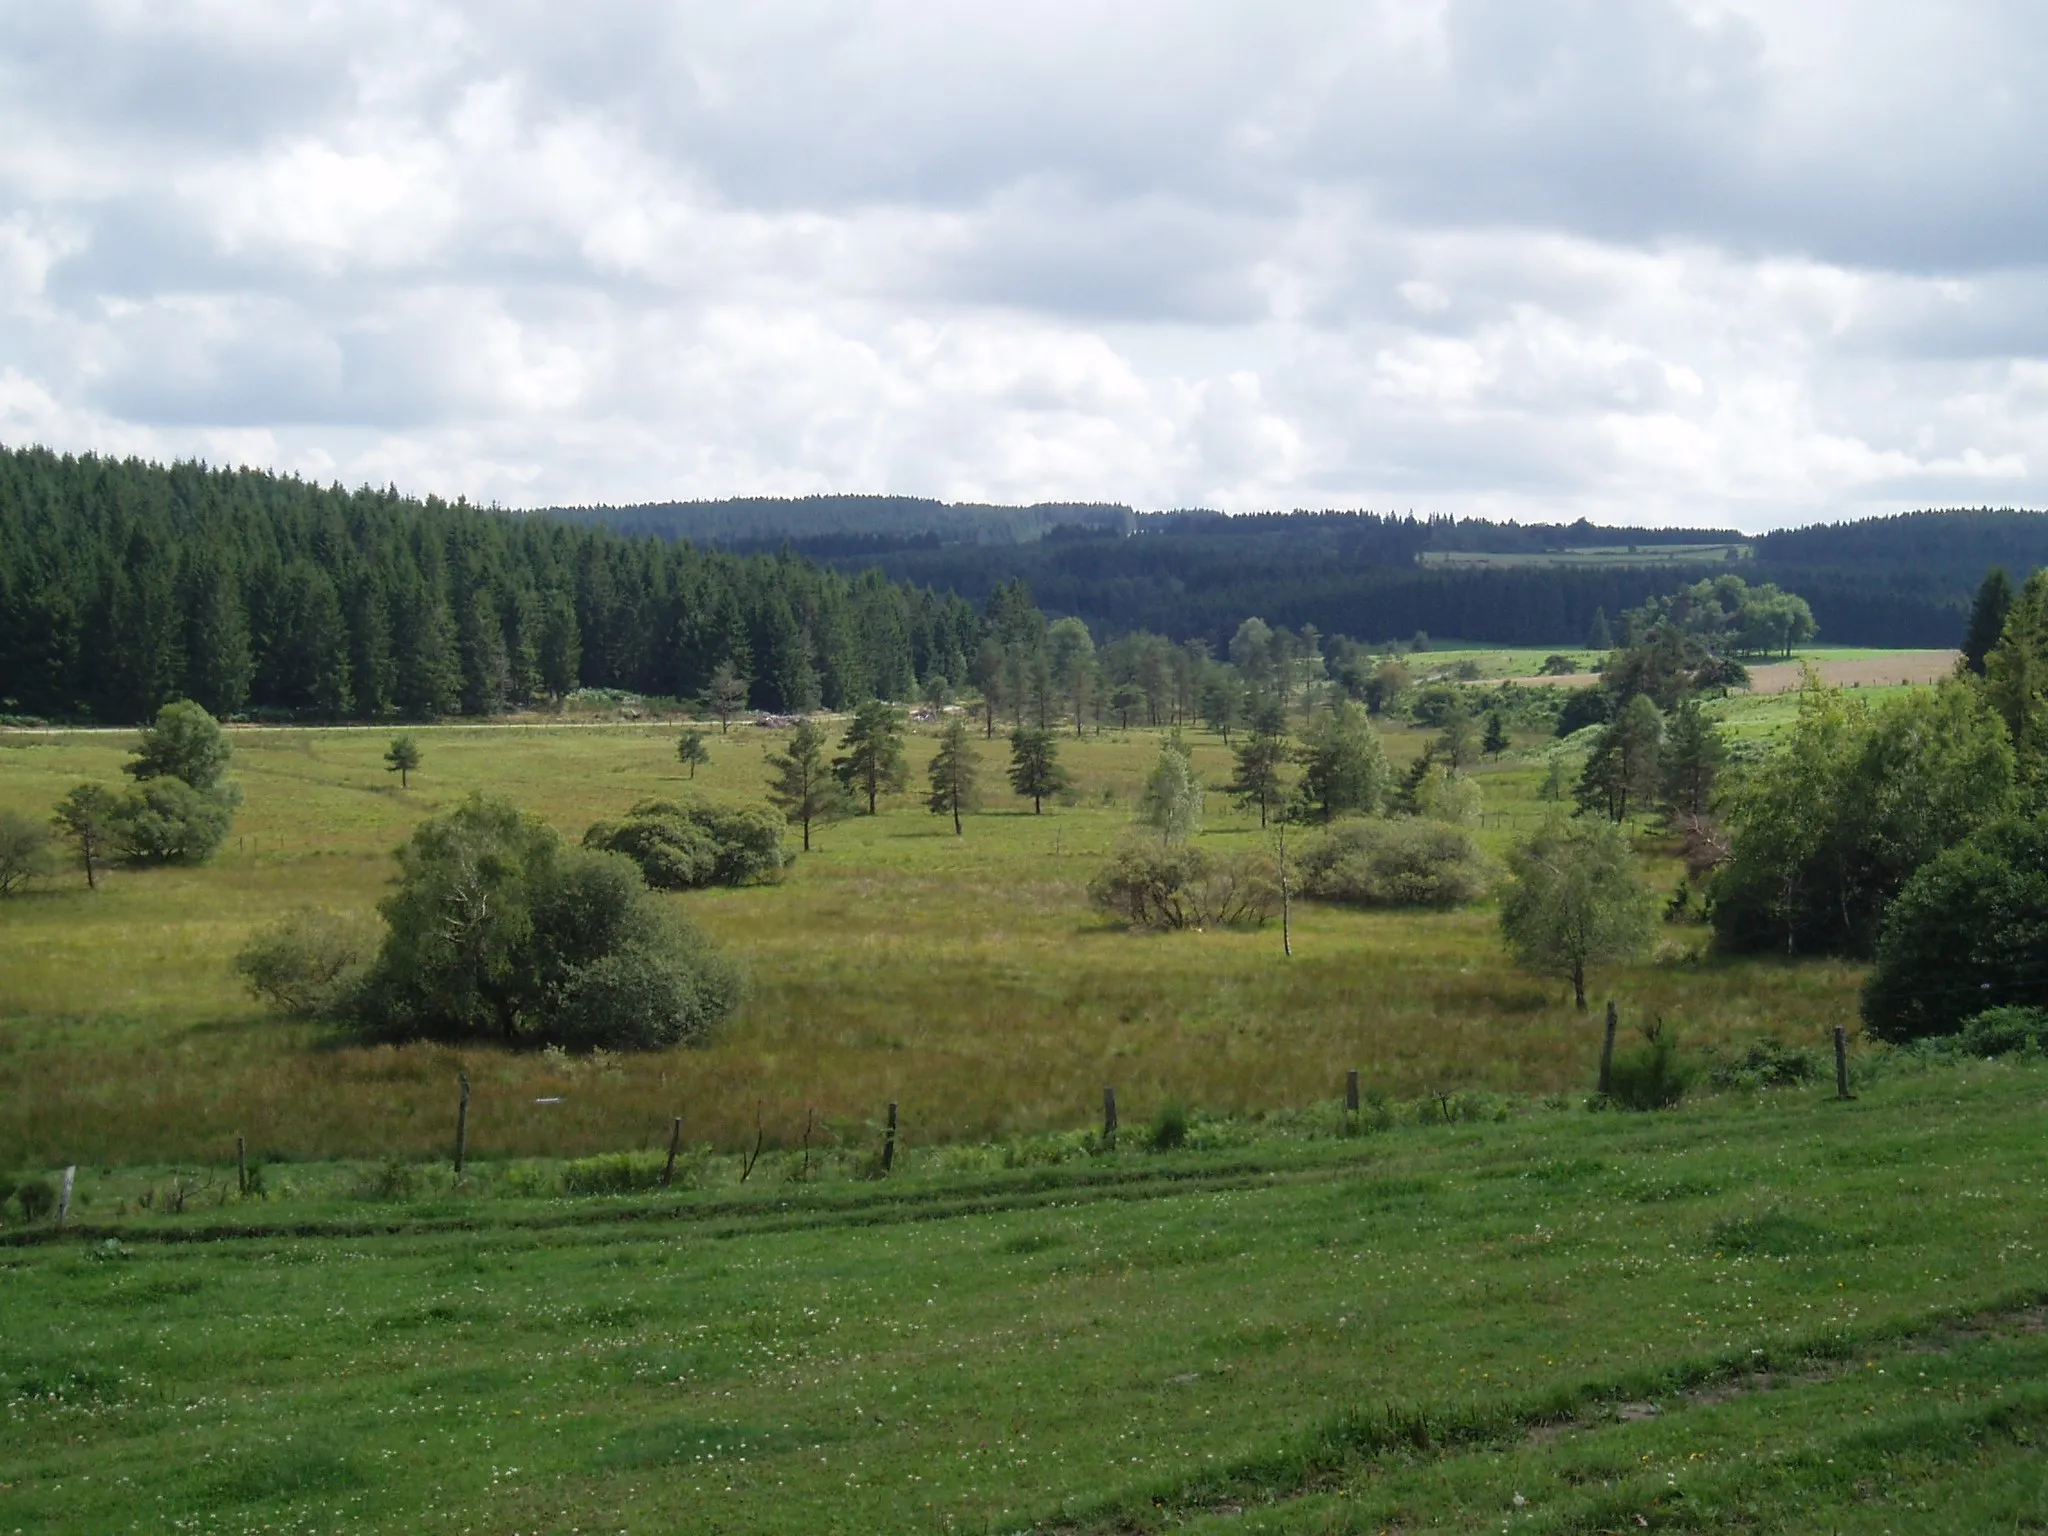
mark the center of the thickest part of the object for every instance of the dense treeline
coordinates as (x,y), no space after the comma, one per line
(124,584)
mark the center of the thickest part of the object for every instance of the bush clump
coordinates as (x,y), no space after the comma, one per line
(1169,1128)
(37,1197)
(681,846)
(1651,1077)
(306,963)
(2005,1031)
(1399,863)
(1767,1064)
(497,931)
(1149,884)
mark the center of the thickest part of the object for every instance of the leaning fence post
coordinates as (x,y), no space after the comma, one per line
(241,1167)
(1607,1049)
(889,1140)
(64,1199)
(1109,1117)
(462,1126)
(1841,1064)
(675,1142)
(1351,1096)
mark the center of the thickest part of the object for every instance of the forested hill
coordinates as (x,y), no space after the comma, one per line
(847,525)
(123,584)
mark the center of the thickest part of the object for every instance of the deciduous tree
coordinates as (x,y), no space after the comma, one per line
(1575,900)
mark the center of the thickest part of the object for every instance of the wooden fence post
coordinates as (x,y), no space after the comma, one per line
(1841,1064)
(675,1142)
(462,1127)
(1607,1050)
(64,1198)
(1109,1117)
(889,1140)
(241,1167)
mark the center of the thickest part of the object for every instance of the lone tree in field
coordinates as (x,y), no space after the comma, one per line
(726,694)
(1576,900)
(801,783)
(402,758)
(185,743)
(24,851)
(1259,779)
(872,763)
(1343,767)
(86,817)
(1172,800)
(955,774)
(692,751)
(1035,769)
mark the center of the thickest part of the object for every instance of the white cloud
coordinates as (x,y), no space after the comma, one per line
(1666,259)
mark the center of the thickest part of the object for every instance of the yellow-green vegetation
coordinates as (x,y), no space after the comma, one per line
(1737,1315)
(965,978)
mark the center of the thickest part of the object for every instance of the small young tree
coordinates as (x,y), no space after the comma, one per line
(1172,800)
(1035,769)
(1458,737)
(1576,900)
(86,817)
(24,851)
(1496,741)
(801,783)
(1622,772)
(726,694)
(402,758)
(1690,763)
(955,774)
(871,760)
(692,751)
(1260,776)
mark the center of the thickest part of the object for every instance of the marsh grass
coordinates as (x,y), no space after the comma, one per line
(965,978)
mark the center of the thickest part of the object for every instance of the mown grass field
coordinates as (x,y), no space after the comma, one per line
(964,978)
(1761,1312)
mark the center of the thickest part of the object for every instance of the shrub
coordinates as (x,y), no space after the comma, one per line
(390,1182)
(1401,863)
(167,821)
(1651,1077)
(1152,885)
(1964,936)
(680,847)
(1767,1064)
(612,1173)
(2005,1031)
(24,851)
(37,1197)
(1169,1128)
(497,930)
(305,963)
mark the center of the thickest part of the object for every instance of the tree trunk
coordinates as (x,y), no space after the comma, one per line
(807,847)
(1579,984)
(956,814)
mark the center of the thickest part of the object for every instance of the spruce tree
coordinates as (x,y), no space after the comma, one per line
(1496,741)
(692,752)
(1690,761)
(1259,780)
(1987,618)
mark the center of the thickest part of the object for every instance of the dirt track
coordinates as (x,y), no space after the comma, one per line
(1892,668)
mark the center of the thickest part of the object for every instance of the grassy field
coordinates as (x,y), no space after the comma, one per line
(964,978)
(1737,1315)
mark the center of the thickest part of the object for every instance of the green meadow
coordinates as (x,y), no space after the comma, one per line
(964,978)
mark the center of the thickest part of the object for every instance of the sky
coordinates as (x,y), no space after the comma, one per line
(1674,263)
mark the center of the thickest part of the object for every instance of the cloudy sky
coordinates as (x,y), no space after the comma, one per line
(1747,264)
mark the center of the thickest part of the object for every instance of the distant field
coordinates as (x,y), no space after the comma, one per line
(1614,554)
(966,978)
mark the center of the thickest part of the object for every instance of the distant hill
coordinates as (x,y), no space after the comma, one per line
(1904,581)
(848,525)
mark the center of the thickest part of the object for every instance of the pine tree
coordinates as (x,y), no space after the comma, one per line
(1622,772)
(726,694)
(217,661)
(955,774)
(425,676)
(1035,770)
(1343,766)
(801,783)
(480,647)
(1690,761)
(1600,637)
(872,761)
(402,758)
(692,751)
(1259,779)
